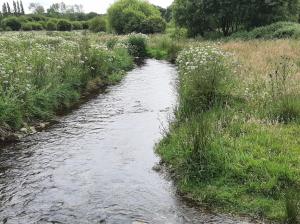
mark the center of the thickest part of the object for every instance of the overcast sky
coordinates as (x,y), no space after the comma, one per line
(99,6)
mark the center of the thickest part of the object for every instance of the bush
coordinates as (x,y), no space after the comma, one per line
(43,24)
(26,27)
(36,26)
(64,25)
(127,16)
(51,25)
(163,47)
(177,33)
(97,24)
(85,25)
(273,31)
(134,21)
(154,24)
(11,23)
(24,19)
(36,18)
(137,46)
(77,25)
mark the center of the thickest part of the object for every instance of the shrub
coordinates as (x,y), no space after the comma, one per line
(85,25)
(77,25)
(127,16)
(36,26)
(24,19)
(137,45)
(153,24)
(11,23)
(64,25)
(177,33)
(273,31)
(44,24)
(97,24)
(26,27)
(51,25)
(37,18)
(163,47)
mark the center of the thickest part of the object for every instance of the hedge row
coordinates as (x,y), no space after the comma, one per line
(24,23)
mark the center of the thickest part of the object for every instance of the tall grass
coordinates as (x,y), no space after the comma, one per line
(233,144)
(45,73)
(163,47)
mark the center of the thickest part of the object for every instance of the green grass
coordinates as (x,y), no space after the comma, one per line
(223,152)
(43,73)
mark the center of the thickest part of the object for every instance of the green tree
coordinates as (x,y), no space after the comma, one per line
(18,8)
(11,23)
(262,13)
(229,16)
(8,9)
(51,25)
(15,8)
(22,8)
(97,24)
(4,9)
(126,16)
(191,14)
(153,24)
(64,25)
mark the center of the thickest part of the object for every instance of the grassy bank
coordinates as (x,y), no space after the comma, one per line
(234,143)
(43,73)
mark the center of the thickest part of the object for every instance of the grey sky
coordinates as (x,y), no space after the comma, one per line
(99,6)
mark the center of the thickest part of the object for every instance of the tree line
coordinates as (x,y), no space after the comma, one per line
(229,16)
(17,9)
(56,10)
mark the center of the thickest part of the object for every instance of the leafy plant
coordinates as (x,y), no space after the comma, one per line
(137,46)
(98,24)
(64,25)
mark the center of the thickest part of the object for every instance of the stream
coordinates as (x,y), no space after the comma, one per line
(96,164)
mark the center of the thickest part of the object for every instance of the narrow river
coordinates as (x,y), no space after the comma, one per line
(95,166)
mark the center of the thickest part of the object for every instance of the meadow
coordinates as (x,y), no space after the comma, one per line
(234,143)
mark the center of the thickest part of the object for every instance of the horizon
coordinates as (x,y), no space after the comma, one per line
(91,6)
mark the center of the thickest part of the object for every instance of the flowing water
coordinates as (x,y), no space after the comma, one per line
(95,166)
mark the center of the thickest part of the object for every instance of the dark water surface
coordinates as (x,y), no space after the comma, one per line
(95,166)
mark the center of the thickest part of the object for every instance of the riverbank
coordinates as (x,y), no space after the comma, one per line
(44,74)
(234,143)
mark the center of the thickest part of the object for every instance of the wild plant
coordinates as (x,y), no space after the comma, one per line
(293,206)
(284,102)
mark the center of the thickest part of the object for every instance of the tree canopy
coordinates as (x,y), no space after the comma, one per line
(127,16)
(231,15)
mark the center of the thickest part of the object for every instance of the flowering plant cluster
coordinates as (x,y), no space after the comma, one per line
(41,72)
(198,57)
